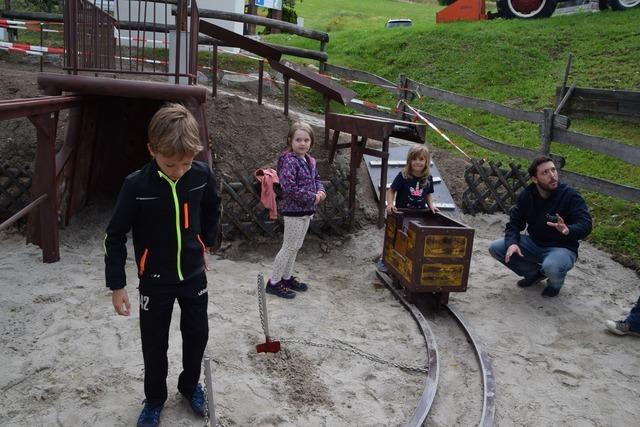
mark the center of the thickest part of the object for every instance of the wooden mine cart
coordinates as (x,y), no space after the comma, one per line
(428,253)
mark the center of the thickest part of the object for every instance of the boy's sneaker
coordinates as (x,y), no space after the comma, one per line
(279,289)
(197,400)
(150,416)
(525,283)
(621,327)
(294,284)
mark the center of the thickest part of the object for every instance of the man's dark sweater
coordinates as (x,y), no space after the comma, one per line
(531,211)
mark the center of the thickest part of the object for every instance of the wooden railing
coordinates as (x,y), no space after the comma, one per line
(553,128)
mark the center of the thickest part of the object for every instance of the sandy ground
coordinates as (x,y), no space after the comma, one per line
(69,360)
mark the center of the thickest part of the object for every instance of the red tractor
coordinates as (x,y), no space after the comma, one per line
(527,9)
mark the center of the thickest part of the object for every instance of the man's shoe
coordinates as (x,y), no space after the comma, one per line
(294,284)
(197,400)
(150,416)
(525,283)
(550,291)
(279,289)
(621,327)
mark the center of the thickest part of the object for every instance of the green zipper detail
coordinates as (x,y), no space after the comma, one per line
(177,206)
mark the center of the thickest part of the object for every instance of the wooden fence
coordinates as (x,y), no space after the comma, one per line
(553,126)
(244,215)
(605,103)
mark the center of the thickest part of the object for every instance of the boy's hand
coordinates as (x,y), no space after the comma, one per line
(120,300)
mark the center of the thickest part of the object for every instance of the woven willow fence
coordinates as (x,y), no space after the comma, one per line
(245,217)
(492,188)
(14,190)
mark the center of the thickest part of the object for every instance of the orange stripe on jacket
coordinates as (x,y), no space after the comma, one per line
(143,261)
(186,215)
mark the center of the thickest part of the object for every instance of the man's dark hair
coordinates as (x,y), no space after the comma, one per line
(533,167)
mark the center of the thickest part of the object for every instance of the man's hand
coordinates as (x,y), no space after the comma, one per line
(513,249)
(120,300)
(560,225)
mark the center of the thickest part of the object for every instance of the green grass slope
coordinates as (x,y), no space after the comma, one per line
(515,62)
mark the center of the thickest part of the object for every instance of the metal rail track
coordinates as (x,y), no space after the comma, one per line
(428,395)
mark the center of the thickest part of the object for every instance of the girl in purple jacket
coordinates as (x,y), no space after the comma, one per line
(301,192)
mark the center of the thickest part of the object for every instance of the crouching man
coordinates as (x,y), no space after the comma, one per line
(556,218)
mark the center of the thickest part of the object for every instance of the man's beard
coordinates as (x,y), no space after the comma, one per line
(549,188)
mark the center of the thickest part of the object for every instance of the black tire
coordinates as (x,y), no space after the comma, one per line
(623,4)
(528,9)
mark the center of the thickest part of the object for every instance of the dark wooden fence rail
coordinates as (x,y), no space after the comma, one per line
(553,127)
(607,103)
(321,55)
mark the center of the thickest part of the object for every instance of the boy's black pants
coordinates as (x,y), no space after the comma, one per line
(156,306)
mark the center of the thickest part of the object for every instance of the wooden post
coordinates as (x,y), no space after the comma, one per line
(322,64)
(260,80)
(546,132)
(252,10)
(276,14)
(327,110)
(565,79)
(44,220)
(402,95)
(286,95)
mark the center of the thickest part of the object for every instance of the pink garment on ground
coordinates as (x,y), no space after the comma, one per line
(267,178)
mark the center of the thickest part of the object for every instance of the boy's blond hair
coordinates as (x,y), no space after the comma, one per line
(174,131)
(300,126)
(416,152)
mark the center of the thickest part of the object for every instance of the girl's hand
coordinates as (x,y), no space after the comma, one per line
(391,209)
(434,209)
(320,196)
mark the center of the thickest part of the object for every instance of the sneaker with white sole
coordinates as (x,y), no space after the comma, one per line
(621,327)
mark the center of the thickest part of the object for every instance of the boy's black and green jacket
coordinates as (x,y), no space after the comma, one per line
(172,223)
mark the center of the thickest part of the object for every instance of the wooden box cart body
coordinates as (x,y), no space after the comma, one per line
(428,253)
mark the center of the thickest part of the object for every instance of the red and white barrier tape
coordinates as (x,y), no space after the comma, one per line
(33,48)
(27,25)
(21,51)
(434,127)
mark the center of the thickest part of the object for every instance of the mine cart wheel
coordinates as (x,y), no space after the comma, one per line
(528,9)
(623,4)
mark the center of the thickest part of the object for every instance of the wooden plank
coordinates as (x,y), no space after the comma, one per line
(469,102)
(378,129)
(610,147)
(267,22)
(608,94)
(601,186)
(364,76)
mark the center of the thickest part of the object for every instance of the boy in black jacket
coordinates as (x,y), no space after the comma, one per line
(171,206)
(556,218)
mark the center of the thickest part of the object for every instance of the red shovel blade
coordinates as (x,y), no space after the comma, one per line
(268,346)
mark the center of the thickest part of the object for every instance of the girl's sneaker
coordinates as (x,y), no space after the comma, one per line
(294,284)
(279,289)
(150,416)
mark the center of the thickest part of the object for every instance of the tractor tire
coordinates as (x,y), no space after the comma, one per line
(530,9)
(623,4)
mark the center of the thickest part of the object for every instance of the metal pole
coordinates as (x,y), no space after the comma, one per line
(213,421)
(42,46)
(260,80)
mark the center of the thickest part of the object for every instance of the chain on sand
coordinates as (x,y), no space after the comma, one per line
(343,346)
(207,420)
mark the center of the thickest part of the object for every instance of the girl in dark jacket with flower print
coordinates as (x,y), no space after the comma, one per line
(302,191)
